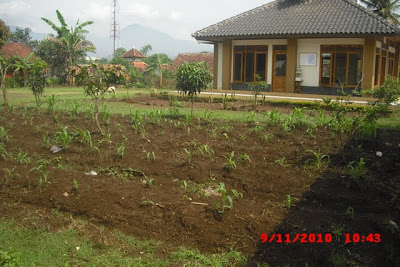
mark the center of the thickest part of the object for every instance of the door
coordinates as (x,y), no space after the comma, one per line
(279,73)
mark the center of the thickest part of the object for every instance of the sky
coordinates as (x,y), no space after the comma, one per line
(178,18)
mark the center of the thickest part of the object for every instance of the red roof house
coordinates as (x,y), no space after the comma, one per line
(15,49)
(192,57)
(135,59)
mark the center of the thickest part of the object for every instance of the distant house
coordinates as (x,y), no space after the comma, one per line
(318,45)
(192,57)
(134,57)
(15,49)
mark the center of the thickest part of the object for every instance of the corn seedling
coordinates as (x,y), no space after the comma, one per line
(273,116)
(267,137)
(3,135)
(290,200)
(224,198)
(213,133)
(252,116)
(184,185)
(207,115)
(74,108)
(106,113)
(22,158)
(188,155)
(224,102)
(319,159)
(64,137)
(10,175)
(244,157)
(206,150)
(89,112)
(357,169)
(337,231)
(230,164)
(121,150)
(76,185)
(282,162)
(150,155)
(86,138)
(46,140)
(51,102)
(3,152)
(42,169)
(236,194)
(350,213)
(148,181)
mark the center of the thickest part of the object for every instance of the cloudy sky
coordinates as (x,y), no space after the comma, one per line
(178,18)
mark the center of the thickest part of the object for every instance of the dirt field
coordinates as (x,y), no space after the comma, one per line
(165,184)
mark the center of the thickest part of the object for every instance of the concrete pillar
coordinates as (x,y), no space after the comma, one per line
(215,70)
(226,65)
(369,63)
(291,65)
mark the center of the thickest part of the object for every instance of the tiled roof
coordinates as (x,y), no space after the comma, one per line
(133,53)
(15,49)
(139,65)
(192,57)
(298,18)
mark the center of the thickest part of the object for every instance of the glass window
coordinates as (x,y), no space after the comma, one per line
(280,65)
(340,69)
(238,67)
(377,64)
(249,67)
(354,71)
(261,66)
(326,68)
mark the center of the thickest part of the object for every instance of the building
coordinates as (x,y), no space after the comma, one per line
(320,46)
(15,49)
(134,57)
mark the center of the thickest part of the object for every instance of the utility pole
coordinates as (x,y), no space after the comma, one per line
(114,29)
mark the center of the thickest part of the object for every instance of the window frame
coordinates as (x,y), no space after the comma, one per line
(243,69)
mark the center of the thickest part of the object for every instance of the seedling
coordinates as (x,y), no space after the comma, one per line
(51,102)
(267,137)
(22,158)
(64,137)
(357,169)
(188,155)
(244,157)
(224,198)
(148,181)
(236,194)
(319,159)
(76,185)
(74,108)
(290,200)
(42,169)
(206,150)
(3,152)
(121,150)
(230,164)
(10,175)
(282,161)
(3,135)
(46,140)
(350,213)
(337,232)
(150,155)
(86,137)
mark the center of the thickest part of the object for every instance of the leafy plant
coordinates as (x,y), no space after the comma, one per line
(51,103)
(3,135)
(148,181)
(188,155)
(86,138)
(74,108)
(37,78)
(121,150)
(230,164)
(192,78)
(337,231)
(244,157)
(42,169)
(22,158)
(257,86)
(64,137)
(206,150)
(10,175)
(224,198)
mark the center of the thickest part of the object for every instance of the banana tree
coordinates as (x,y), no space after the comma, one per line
(6,66)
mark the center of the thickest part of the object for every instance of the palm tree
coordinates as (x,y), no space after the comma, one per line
(384,8)
(72,41)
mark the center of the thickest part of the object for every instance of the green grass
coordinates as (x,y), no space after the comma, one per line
(75,246)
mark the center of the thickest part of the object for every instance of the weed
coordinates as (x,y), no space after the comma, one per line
(357,169)
(290,200)
(244,157)
(230,164)
(319,159)
(350,213)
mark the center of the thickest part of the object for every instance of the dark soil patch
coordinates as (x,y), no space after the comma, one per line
(168,210)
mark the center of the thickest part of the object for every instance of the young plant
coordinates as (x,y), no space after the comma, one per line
(337,231)
(282,162)
(230,164)
(319,159)
(244,157)
(357,169)
(22,158)
(46,140)
(3,151)
(76,185)
(3,135)
(150,155)
(224,198)
(10,175)
(121,150)
(51,103)
(148,181)
(42,169)
(350,213)
(206,150)
(290,200)
(74,108)
(86,138)
(188,155)
(64,137)
(267,137)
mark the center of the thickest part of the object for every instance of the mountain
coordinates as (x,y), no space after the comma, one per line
(137,36)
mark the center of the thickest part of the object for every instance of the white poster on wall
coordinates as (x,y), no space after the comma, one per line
(308,59)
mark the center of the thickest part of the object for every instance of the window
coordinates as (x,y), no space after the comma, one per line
(250,63)
(341,65)
(377,69)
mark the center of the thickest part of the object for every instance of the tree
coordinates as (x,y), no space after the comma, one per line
(146,49)
(37,78)
(71,41)
(7,65)
(118,59)
(4,32)
(384,8)
(20,36)
(96,79)
(191,78)
(156,63)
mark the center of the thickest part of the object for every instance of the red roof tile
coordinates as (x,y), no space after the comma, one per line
(133,53)
(139,65)
(191,57)
(15,49)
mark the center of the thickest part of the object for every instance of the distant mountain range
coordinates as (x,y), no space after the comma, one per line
(137,36)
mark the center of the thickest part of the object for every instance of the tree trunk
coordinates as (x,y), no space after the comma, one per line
(3,86)
(96,115)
